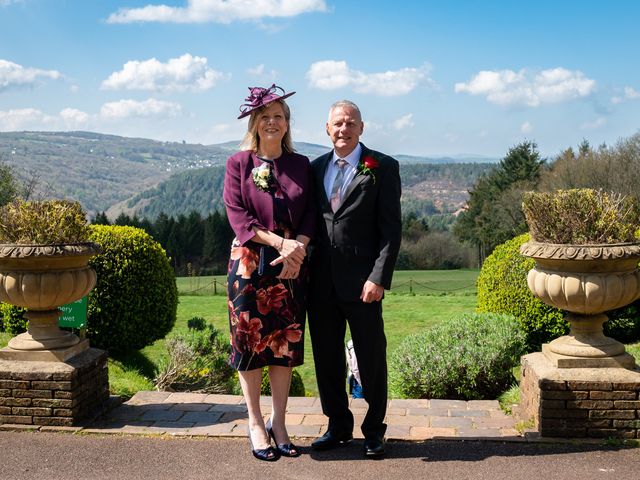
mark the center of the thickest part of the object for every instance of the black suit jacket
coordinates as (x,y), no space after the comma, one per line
(361,240)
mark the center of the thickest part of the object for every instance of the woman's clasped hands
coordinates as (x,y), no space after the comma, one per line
(292,253)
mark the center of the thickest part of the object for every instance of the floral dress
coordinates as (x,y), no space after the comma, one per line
(266,314)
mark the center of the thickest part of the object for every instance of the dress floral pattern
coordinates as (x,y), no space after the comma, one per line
(266,314)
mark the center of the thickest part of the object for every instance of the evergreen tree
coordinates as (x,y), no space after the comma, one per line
(101,219)
(123,220)
(494,211)
(162,227)
(9,186)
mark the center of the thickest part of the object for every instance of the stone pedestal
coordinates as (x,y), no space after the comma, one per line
(55,355)
(579,402)
(53,393)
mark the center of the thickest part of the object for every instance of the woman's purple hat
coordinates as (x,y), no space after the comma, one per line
(259,97)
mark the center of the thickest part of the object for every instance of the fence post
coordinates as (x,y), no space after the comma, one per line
(411,285)
(215,286)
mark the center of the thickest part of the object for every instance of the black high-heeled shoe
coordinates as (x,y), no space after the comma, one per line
(285,449)
(268,454)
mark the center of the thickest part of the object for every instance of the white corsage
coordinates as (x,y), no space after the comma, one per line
(263,177)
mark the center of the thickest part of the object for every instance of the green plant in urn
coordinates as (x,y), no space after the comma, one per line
(586,252)
(44,256)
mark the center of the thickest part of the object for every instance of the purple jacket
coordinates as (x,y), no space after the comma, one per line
(248,207)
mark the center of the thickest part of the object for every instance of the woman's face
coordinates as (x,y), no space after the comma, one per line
(272,124)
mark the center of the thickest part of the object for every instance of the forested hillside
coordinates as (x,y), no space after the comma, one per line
(145,177)
(102,170)
(99,170)
(427,189)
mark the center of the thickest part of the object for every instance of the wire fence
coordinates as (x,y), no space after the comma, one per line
(217,286)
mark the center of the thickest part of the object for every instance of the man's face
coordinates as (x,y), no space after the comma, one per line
(344,127)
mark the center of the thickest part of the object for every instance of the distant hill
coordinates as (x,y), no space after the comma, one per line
(446,159)
(99,170)
(427,189)
(114,174)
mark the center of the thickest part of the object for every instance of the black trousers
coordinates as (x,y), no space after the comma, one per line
(328,319)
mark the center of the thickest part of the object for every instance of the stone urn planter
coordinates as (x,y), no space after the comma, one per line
(41,278)
(586,281)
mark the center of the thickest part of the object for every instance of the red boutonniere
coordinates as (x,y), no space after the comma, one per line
(367,167)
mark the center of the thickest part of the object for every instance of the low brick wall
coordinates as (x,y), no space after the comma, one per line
(53,393)
(580,402)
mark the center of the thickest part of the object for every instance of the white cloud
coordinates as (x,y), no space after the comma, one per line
(372,127)
(597,123)
(13,75)
(6,3)
(74,118)
(178,74)
(133,108)
(332,75)
(34,119)
(506,87)
(257,70)
(526,127)
(406,121)
(23,119)
(260,71)
(629,94)
(217,11)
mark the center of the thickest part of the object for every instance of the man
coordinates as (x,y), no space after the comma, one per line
(357,243)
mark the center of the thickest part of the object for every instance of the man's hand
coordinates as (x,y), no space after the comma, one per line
(371,292)
(290,270)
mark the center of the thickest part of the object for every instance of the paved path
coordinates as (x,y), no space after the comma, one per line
(196,414)
(193,414)
(191,436)
(58,456)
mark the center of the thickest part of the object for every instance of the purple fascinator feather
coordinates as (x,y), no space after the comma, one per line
(259,97)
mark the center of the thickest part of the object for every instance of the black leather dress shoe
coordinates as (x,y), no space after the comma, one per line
(374,447)
(332,440)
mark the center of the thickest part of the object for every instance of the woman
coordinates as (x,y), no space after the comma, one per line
(270,209)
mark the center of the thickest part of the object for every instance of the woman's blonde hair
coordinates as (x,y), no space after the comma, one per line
(251,140)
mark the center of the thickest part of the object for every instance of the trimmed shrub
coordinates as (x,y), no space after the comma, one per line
(624,323)
(502,288)
(468,357)
(12,319)
(198,362)
(296,389)
(135,300)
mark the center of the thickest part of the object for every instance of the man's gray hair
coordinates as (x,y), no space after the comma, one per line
(344,103)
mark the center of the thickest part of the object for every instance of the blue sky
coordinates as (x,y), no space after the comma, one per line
(430,77)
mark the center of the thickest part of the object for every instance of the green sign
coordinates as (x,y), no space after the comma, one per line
(74,315)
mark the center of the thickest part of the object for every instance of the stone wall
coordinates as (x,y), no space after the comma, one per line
(580,402)
(53,393)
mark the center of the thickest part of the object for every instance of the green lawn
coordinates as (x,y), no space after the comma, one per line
(437,295)
(403,314)
(425,282)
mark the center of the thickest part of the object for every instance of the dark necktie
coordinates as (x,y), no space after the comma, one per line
(337,185)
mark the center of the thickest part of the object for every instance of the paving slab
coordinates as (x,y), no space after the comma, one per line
(211,415)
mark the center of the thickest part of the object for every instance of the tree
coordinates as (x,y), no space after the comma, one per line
(217,241)
(494,214)
(9,186)
(101,219)
(614,168)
